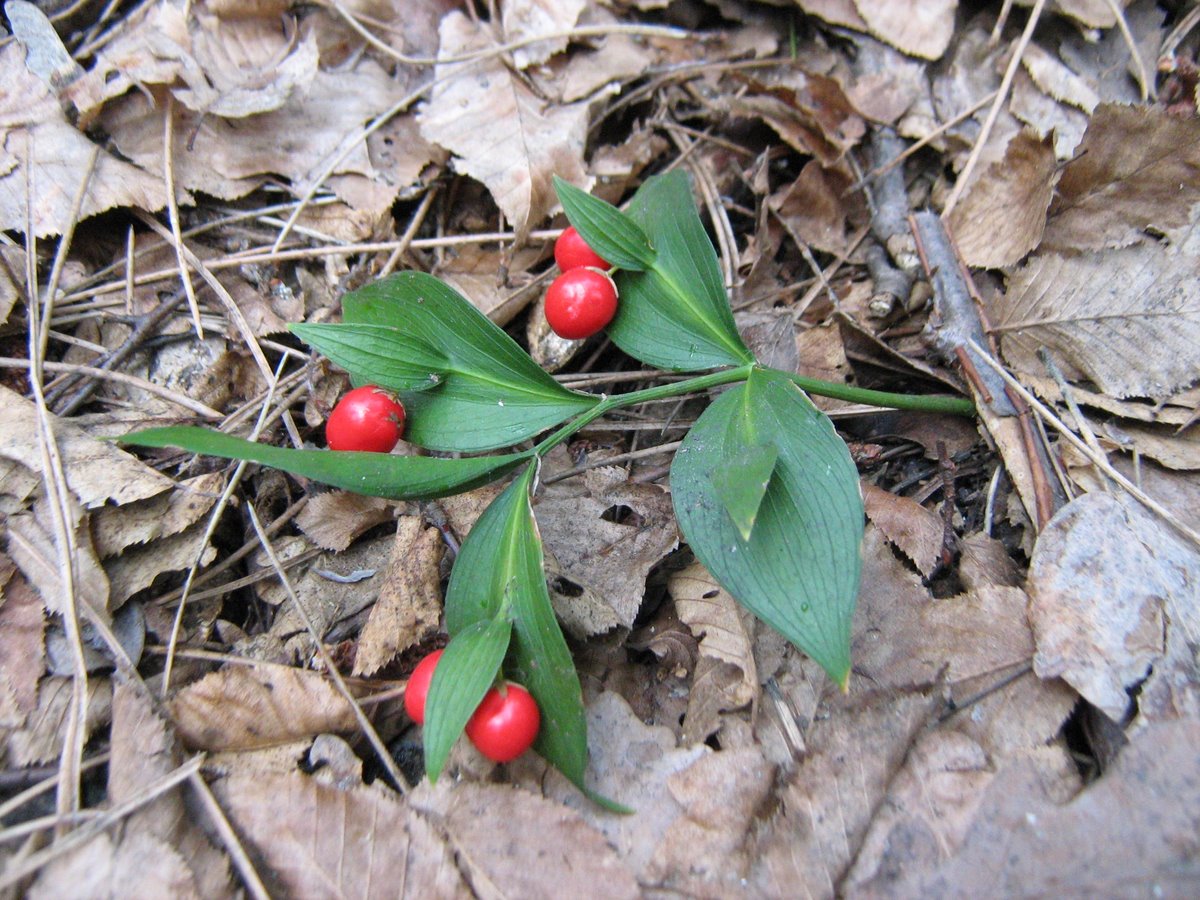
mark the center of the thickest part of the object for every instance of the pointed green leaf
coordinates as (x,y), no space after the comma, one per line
(607,230)
(799,569)
(492,394)
(675,314)
(501,562)
(741,484)
(373,474)
(389,359)
(465,671)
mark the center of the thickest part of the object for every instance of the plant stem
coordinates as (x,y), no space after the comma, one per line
(608,404)
(939,403)
(924,402)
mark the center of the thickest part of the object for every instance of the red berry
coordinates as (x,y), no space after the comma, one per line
(505,724)
(418,687)
(367,418)
(572,252)
(580,302)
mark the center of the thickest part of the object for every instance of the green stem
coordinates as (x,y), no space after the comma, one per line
(608,404)
(939,403)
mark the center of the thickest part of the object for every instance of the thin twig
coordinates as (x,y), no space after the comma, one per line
(176,239)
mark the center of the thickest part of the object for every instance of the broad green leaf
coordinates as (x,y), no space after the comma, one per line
(675,314)
(501,563)
(492,394)
(374,474)
(378,354)
(606,229)
(799,569)
(742,482)
(467,668)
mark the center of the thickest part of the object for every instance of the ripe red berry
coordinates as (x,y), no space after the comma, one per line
(505,724)
(418,687)
(572,252)
(367,418)
(580,302)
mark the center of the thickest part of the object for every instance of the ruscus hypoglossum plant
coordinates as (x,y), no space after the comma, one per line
(764,490)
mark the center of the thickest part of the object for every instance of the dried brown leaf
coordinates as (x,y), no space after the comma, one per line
(482,819)
(136,865)
(1134,170)
(1051,75)
(115,528)
(494,280)
(1172,448)
(409,604)
(730,680)
(244,708)
(807,109)
(918,27)
(41,738)
(526,19)
(606,560)
(1104,575)
(814,207)
(12,263)
(43,159)
(318,841)
(915,530)
(137,567)
(334,520)
(22,647)
(97,471)
(1003,214)
(1136,826)
(502,134)
(33,546)
(1128,320)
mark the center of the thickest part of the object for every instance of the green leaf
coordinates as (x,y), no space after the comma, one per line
(607,230)
(501,562)
(492,394)
(741,484)
(465,671)
(800,567)
(385,357)
(374,474)
(675,314)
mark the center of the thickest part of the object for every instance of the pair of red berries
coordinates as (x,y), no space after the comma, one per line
(368,418)
(503,726)
(583,299)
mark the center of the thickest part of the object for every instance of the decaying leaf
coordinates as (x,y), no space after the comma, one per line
(1099,315)
(33,544)
(1134,170)
(409,604)
(501,133)
(915,26)
(916,531)
(1003,214)
(114,528)
(319,841)
(40,740)
(247,707)
(602,534)
(137,567)
(526,19)
(334,519)
(730,679)
(22,626)
(97,471)
(481,820)
(1104,576)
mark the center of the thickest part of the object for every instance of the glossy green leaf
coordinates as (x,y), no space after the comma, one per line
(675,314)
(742,482)
(374,474)
(492,394)
(501,563)
(607,230)
(378,354)
(467,668)
(799,569)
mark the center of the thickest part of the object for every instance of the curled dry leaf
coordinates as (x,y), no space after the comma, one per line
(40,739)
(409,604)
(1003,214)
(317,840)
(501,133)
(1104,575)
(34,546)
(115,528)
(721,625)
(918,27)
(248,707)
(523,20)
